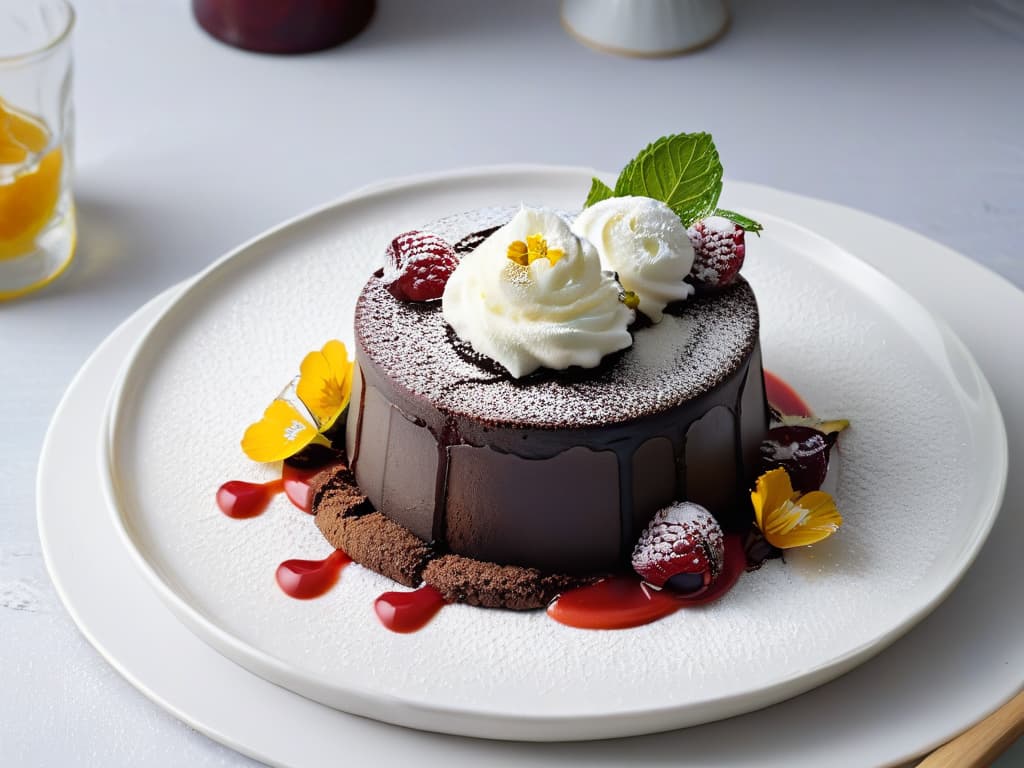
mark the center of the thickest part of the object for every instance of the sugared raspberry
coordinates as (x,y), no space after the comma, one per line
(418,266)
(718,251)
(682,548)
(801,451)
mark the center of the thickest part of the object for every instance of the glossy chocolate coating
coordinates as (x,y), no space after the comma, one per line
(559,470)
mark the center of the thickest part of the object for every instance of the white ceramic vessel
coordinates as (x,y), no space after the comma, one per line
(645,27)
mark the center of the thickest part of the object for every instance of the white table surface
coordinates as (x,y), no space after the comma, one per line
(186,147)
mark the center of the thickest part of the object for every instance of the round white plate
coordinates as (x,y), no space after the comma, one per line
(925,465)
(959,664)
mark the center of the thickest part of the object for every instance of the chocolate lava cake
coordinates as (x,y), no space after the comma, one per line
(502,492)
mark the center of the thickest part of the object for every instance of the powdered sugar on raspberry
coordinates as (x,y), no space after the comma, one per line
(418,265)
(683,537)
(718,250)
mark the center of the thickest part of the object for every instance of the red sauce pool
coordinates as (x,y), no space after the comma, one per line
(783,397)
(296,486)
(621,602)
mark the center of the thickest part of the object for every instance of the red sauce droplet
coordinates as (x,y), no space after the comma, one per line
(783,397)
(408,611)
(239,499)
(305,579)
(617,602)
(621,602)
(296,485)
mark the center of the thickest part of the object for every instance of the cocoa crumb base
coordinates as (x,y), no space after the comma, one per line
(348,522)
(489,585)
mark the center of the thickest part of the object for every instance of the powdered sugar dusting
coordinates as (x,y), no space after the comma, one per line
(699,345)
(718,250)
(682,529)
(719,225)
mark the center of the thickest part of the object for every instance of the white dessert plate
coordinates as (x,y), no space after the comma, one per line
(958,665)
(924,470)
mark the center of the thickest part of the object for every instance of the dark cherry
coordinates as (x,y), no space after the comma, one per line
(801,451)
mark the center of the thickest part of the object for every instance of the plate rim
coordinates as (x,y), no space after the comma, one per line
(215,715)
(472,721)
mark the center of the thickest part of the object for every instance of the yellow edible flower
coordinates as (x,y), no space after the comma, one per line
(282,432)
(790,519)
(518,252)
(325,383)
(324,387)
(535,247)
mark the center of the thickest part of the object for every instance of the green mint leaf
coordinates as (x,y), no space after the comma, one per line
(683,171)
(598,191)
(738,218)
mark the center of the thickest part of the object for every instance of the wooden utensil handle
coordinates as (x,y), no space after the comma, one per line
(980,745)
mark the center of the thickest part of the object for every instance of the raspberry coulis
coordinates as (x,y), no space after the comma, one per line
(301,579)
(406,612)
(621,602)
(783,397)
(306,579)
(241,499)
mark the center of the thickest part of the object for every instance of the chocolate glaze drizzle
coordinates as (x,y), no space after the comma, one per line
(470,442)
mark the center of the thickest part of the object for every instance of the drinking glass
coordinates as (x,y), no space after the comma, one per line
(37,217)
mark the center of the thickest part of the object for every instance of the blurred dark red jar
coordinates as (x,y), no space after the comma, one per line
(283,26)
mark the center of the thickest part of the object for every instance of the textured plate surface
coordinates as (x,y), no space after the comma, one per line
(924,467)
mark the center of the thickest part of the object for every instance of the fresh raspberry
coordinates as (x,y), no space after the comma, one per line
(682,548)
(718,251)
(418,266)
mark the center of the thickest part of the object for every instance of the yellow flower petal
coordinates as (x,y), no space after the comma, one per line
(808,520)
(537,247)
(282,432)
(517,252)
(325,383)
(789,519)
(772,490)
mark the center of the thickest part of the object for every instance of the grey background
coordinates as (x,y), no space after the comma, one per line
(185,148)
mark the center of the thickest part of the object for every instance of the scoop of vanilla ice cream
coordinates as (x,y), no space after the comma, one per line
(643,241)
(552,312)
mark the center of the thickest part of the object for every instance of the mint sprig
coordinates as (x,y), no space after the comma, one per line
(598,191)
(683,171)
(738,218)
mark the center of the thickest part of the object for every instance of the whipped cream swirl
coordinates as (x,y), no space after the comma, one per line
(554,312)
(644,241)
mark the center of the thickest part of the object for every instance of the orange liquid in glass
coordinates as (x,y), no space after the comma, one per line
(29,183)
